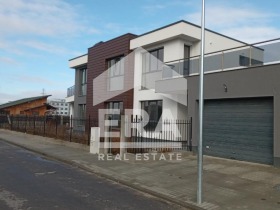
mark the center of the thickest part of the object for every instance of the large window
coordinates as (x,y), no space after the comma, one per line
(152,64)
(152,60)
(115,73)
(115,105)
(154,110)
(83,81)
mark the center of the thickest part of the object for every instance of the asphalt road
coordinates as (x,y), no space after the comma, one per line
(30,181)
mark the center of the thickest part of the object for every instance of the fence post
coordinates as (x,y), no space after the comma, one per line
(106,136)
(122,139)
(56,127)
(70,128)
(25,129)
(34,124)
(89,129)
(45,118)
(18,118)
(12,119)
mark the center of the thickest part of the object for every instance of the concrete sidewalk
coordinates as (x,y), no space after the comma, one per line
(228,184)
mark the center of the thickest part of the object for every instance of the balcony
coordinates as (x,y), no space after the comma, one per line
(262,53)
(70,94)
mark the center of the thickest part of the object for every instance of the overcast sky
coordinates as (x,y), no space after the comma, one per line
(38,37)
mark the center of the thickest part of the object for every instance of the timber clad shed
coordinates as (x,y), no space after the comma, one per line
(27,106)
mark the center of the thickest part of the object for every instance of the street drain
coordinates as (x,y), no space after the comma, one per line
(277,187)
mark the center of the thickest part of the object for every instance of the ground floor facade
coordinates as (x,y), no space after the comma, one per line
(241,114)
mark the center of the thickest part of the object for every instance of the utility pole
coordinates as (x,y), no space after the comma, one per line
(201,106)
(43,91)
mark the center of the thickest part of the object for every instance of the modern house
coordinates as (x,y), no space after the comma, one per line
(37,106)
(158,72)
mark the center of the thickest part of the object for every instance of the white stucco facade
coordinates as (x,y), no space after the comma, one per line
(78,61)
(173,40)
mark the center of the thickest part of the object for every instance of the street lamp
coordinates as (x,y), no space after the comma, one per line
(201,106)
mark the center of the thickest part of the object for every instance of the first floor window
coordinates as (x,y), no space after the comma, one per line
(83,81)
(154,110)
(115,73)
(152,60)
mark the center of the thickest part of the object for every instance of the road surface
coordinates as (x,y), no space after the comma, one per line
(30,181)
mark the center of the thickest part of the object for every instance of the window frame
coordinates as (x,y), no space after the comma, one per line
(152,123)
(117,63)
(147,65)
(83,81)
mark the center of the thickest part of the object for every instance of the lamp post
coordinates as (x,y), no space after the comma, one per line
(201,106)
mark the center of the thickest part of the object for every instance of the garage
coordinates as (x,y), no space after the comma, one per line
(240,129)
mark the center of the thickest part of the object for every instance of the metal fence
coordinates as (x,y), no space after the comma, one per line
(60,127)
(162,136)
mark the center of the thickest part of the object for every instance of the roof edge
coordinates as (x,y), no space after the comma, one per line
(184,21)
(126,34)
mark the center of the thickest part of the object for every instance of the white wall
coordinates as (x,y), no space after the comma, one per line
(173,39)
(82,60)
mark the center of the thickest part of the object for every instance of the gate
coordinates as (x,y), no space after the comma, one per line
(162,136)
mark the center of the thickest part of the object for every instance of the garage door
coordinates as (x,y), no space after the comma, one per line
(240,129)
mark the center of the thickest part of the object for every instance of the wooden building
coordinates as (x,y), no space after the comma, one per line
(37,106)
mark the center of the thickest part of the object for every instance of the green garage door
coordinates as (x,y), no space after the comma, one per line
(240,129)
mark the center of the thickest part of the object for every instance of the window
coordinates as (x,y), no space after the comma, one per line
(186,60)
(83,81)
(152,61)
(116,66)
(82,111)
(154,110)
(245,61)
(115,73)
(65,112)
(115,105)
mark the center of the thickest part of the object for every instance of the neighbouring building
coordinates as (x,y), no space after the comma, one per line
(62,107)
(37,106)
(70,99)
(76,95)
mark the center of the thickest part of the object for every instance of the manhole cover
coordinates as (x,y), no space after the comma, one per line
(277,187)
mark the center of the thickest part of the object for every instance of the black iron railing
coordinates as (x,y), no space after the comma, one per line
(60,127)
(164,136)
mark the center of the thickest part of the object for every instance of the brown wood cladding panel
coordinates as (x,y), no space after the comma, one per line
(97,56)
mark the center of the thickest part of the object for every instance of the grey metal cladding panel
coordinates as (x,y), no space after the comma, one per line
(239,129)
